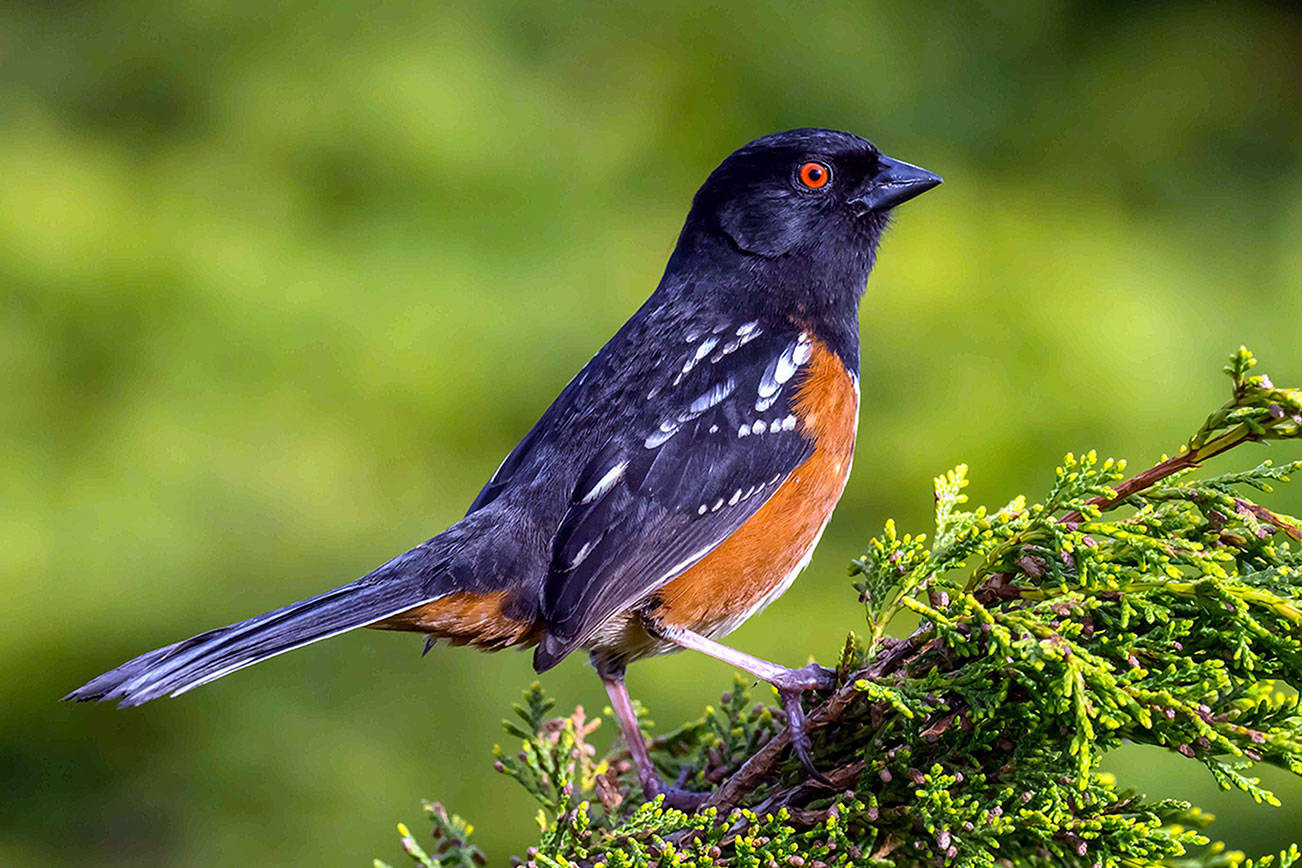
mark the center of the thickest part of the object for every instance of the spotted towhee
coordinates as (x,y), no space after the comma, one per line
(677,485)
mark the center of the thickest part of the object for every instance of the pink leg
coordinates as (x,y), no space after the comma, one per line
(790,683)
(622,705)
(623,708)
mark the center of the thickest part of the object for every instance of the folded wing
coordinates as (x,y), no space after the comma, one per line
(719,436)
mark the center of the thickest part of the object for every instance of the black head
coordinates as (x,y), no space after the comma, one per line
(809,192)
(787,227)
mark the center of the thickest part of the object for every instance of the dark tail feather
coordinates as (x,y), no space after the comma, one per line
(177,668)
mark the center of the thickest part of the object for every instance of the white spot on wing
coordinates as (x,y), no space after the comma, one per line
(701,352)
(580,555)
(712,398)
(716,394)
(795,355)
(781,370)
(745,334)
(704,349)
(661,436)
(769,383)
(606,482)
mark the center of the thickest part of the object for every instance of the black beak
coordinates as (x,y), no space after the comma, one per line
(895,182)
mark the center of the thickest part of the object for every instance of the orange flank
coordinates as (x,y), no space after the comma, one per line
(757,563)
(465,618)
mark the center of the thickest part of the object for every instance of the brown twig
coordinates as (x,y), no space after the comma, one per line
(762,763)
(842,778)
(1263,514)
(1171,466)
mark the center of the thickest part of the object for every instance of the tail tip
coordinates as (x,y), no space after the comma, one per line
(88,692)
(105,689)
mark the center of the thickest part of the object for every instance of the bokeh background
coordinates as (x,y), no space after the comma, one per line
(281,283)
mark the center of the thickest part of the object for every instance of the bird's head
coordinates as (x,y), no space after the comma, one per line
(811,192)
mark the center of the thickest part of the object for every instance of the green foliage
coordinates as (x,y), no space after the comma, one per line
(452,847)
(1161,609)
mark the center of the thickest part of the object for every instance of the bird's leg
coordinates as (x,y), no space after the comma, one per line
(612,677)
(628,725)
(791,684)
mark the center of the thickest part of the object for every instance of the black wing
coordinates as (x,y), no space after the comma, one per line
(719,436)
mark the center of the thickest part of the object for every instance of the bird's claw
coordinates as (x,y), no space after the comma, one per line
(801,745)
(791,686)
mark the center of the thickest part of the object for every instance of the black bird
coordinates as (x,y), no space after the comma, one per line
(680,481)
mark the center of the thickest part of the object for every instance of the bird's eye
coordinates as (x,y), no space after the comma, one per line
(814,175)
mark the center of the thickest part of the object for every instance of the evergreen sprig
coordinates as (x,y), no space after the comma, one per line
(1157,609)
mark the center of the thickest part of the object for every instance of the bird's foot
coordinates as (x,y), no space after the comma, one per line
(675,796)
(791,687)
(810,677)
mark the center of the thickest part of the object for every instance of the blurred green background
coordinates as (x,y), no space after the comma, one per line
(281,283)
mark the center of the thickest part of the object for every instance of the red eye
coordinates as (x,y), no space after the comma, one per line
(814,175)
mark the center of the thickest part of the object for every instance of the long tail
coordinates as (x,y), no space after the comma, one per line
(174,669)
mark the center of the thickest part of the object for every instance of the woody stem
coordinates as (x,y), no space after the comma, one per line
(1155,474)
